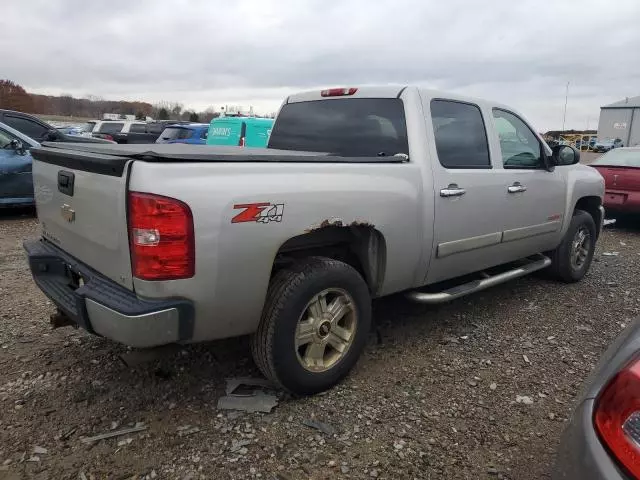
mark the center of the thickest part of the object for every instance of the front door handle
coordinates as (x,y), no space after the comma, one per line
(452,191)
(517,187)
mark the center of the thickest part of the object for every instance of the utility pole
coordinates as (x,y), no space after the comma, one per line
(566,98)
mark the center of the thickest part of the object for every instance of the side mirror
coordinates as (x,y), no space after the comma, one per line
(52,135)
(565,155)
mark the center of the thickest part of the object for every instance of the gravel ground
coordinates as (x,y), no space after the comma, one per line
(479,388)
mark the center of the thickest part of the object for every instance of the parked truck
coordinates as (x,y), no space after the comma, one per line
(361,193)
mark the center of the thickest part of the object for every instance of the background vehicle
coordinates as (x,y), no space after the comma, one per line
(621,171)
(118,130)
(190,133)
(607,144)
(16,182)
(38,130)
(415,188)
(602,441)
(148,133)
(242,131)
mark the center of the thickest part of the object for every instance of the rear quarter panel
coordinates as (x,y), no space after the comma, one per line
(234,260)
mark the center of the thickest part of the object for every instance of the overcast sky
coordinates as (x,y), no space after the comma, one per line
(213,52)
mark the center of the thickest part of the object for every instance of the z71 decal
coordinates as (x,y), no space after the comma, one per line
(258,212)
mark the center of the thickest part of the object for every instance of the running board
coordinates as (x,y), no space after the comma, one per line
(536,263)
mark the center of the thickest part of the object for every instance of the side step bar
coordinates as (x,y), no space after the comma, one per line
(537,263)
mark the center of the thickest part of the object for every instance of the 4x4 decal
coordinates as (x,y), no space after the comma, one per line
(258,212)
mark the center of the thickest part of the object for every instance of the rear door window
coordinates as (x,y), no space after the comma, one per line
(30,128)
(111,127)
(138,128)
(157,128)
(460,134)
(358,127)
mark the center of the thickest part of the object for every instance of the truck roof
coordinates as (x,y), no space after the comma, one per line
(392,91)
(385,91)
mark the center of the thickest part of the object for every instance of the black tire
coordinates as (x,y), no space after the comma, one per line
(273,346)
(562,267)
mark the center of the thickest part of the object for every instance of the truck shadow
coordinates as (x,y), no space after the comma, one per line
(17,213)
(627,223)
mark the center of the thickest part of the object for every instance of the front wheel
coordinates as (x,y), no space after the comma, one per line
(314,325)
(572,259)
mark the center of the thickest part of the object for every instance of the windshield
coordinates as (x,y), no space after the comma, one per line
(355,127)
(606,140)
(619,158)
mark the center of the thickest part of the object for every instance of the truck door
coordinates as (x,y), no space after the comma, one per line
(469,197)
(534,197)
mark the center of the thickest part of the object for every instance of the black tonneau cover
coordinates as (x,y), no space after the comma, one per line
(110,159)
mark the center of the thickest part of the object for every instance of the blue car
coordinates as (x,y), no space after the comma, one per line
(16,182)
(191,133)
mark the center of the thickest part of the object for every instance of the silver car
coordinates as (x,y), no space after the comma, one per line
(602,442)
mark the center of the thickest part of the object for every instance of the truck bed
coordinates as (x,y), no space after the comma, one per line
(111,158)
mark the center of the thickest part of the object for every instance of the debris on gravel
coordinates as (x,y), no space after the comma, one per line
(434,396)
(112,434)
(258,402)
(321,426)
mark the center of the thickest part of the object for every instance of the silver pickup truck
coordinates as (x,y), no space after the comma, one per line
(363,192)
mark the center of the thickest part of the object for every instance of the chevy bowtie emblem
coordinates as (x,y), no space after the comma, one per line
(68,213)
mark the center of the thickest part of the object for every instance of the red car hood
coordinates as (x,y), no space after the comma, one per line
(620,178)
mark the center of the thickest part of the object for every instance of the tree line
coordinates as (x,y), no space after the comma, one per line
(15,97)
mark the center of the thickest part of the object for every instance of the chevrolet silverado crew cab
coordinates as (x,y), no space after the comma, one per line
(361,193)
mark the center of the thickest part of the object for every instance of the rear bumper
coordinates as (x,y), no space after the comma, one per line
(101,306)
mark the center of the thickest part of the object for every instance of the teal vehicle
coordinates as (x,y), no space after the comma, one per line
(240,131)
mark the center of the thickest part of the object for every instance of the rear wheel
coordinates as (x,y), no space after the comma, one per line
(314,325)
(572,259)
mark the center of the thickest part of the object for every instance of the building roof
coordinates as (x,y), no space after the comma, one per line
(629,102)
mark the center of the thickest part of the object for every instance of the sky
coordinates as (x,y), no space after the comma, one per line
(205,53)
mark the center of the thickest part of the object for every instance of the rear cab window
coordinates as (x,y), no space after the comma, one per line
(460,135)
(350,127)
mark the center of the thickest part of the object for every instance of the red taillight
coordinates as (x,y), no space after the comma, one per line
(338,92)
(161,237)
(617,417)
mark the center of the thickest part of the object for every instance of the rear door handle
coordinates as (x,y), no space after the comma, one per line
(452,191)
(517,187)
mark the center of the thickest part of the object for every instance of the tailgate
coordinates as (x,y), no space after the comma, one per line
(81,204)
